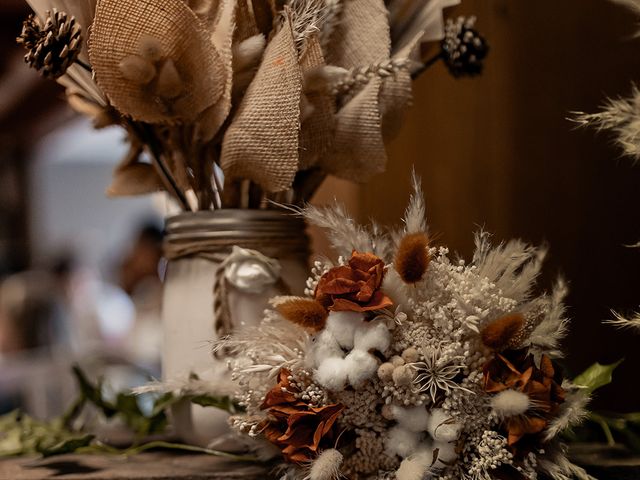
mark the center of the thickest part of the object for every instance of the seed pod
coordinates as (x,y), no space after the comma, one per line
(169,84)
(137,69)
(150,48)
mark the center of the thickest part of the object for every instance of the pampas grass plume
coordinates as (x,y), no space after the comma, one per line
(499,333)
(307,313)
(326,466)
(412,258)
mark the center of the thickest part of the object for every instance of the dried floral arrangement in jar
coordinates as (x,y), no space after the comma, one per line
(402,362)
(239,102)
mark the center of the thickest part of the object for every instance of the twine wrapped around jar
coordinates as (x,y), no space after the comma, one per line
(224,266)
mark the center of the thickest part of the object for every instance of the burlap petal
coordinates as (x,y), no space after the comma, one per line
(212,119)
(359,151)
(395,97)
(316,134)
(261,144)
(118,27)
(362,37)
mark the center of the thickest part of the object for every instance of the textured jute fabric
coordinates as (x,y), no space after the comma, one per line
(316,134)
(361,39)
(212,119)
(116,32)
(261,144)
(395,97)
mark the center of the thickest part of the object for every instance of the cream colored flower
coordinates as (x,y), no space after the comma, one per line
(251,271)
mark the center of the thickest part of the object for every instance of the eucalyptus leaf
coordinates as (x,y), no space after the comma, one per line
(223,403)
(596,376)
(67,445)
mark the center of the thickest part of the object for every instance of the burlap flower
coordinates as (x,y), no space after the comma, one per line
(295,427)
(354,287)
(516,370)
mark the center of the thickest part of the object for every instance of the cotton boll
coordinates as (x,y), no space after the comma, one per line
(325,346)
(326,466)
(247,53)
(343,326)
(509,403)
(446,453)
(360,366)
(417,466)
(441,426)
(415,419)
(372,336)
(332,373)
(401,441)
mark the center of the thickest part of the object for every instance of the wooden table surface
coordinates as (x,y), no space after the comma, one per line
(145,466)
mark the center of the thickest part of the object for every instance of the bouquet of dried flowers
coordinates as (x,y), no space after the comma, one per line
(402,362)
(238,102)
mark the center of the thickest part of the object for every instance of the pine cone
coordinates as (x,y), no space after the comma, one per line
(463,48)
(52,48)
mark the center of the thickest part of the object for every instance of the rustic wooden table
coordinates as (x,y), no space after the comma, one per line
(145,466)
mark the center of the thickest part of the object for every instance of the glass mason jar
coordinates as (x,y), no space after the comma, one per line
(197,246)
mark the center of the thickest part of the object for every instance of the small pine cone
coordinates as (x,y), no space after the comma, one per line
(463,48)
(52,48)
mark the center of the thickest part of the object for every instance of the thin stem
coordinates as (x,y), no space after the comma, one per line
(426,65)
(85,66)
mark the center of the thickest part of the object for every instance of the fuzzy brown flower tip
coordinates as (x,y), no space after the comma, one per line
(307,313)
(412,258)
(500,332)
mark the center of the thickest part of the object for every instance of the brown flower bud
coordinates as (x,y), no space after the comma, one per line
(499,333)
(307,313)
(412,257)
(169,84)
(137,69)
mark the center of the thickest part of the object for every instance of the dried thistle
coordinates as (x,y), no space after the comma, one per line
(501,332)
(307,313)
(412,258)
(53,47)
(463,48)
(436,373)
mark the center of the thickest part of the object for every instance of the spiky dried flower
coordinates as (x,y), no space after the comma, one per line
(53,47)
(436,373)
(463,48)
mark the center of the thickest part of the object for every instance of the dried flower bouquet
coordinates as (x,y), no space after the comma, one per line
(402,362)
(238,102)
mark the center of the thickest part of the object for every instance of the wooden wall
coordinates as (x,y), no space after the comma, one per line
(498,152)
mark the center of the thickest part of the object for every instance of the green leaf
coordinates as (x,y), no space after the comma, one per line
(224,403)
(596,376)
(93,393)
(67,445)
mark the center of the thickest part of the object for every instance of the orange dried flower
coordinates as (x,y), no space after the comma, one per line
(516,370)
(412,258)
(298,429)
(354,287)
(499,333)
(307,313)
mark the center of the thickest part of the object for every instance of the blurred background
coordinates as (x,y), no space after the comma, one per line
(80,273)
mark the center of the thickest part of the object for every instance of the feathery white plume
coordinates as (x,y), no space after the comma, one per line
(415,214)
(622,322)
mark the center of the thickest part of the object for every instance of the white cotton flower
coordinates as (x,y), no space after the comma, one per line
(250,271)
(372,336)
(343,326)
(332,373)
(510,403)
(401,441)
(360,366)
(415,419)
(446,453)
(442,427)
(323,346)
(418,465)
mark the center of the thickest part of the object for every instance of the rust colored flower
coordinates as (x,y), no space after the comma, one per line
(354,287)
(295,427)
(516,370)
